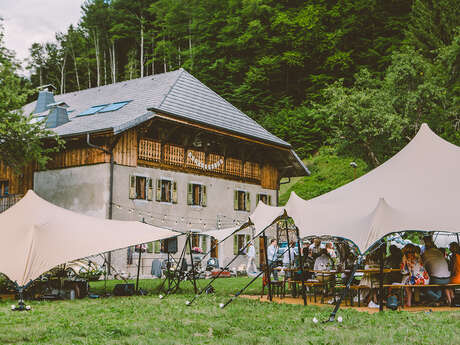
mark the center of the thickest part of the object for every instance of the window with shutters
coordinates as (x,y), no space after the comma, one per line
(240,242)
(241,201)
(141,187)
(265,198)
(166,191)
(4,187)
(196,194)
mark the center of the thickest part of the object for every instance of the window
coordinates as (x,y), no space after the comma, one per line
(140,187)
(265,198)
(93,110)
(166,191)
(141,184)
(239,242)
(241,201)
(196,194)
(4,187)
(114,106)
(198,241)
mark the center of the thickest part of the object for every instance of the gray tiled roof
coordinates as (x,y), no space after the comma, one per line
(177,93)
(191,99)
(143,93)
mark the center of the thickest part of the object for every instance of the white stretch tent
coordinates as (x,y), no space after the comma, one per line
(37,236)
(417,189)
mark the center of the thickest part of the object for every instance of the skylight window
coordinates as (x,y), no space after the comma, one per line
(37,119)
(114,106)
(93,110)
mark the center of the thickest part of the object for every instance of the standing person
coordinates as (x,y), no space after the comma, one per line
(272,254)
(251,269)
(289,257)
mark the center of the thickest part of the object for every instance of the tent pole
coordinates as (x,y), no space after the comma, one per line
(138,268)
(288,276)
(231,261)
(382,255)
(458,240)
(246,286)
(304,296)
(347,288)
(191,262)
(178,272)
(267,267)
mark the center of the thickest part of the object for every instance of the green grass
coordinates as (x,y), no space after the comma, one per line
(149,320)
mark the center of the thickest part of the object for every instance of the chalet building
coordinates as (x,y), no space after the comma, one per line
(164,149)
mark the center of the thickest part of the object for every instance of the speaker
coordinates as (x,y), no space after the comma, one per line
(123,290)
(169,245)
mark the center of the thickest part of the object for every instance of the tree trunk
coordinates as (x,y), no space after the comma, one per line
(372,154)
(190,43)
(63,74)
(98,62)
(142,48)
(41,75)
(153,55)
(105,69)
(112,64)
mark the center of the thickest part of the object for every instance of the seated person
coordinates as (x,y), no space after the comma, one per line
(413,271)
(438,269)
(315,248)
(394,261)
(323,263)
(371,279)
(454,248)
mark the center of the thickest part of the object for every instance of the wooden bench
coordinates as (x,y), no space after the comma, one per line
(310,284)
(401,288)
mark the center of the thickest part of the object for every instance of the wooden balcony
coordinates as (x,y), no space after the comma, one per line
(195,161)
(9,200)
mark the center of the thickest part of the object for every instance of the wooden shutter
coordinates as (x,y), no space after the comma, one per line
(150,247)
(235,200)
(174,192)
(187,248)
(157,247)
(269,198)
(190,194)
(248,238)
(149,189)
(204,246)
(132,187)
(204,198)
(158,193)
(257,199)
(235,244)
(248,202)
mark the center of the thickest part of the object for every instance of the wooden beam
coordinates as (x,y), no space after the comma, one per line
(221,132)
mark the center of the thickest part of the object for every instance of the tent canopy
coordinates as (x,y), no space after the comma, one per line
(37,236)
(417,189)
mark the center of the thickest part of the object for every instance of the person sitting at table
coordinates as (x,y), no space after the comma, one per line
(454,248)
(324,263)
(438,269)
(413,271)
(394,261)
(315,248)
(370,279)
(289,257)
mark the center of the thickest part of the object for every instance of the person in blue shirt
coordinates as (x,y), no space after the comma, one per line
(272,255)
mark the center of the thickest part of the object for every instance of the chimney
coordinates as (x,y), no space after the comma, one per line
(45,97)
(57,117)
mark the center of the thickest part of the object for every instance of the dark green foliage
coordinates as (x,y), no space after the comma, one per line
(328,172)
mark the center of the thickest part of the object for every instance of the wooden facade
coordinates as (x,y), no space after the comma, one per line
(167,156)
(18,183)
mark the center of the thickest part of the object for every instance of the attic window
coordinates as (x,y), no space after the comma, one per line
(93,110)
(37,119)
(114,106)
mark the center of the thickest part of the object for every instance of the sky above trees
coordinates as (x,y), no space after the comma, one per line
(28,21)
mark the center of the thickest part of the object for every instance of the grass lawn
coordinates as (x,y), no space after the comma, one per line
(149,320)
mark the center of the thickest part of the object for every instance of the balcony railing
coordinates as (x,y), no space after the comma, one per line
(9,200)
(150,150)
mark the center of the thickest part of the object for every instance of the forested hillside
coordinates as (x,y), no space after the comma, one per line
(357,75)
